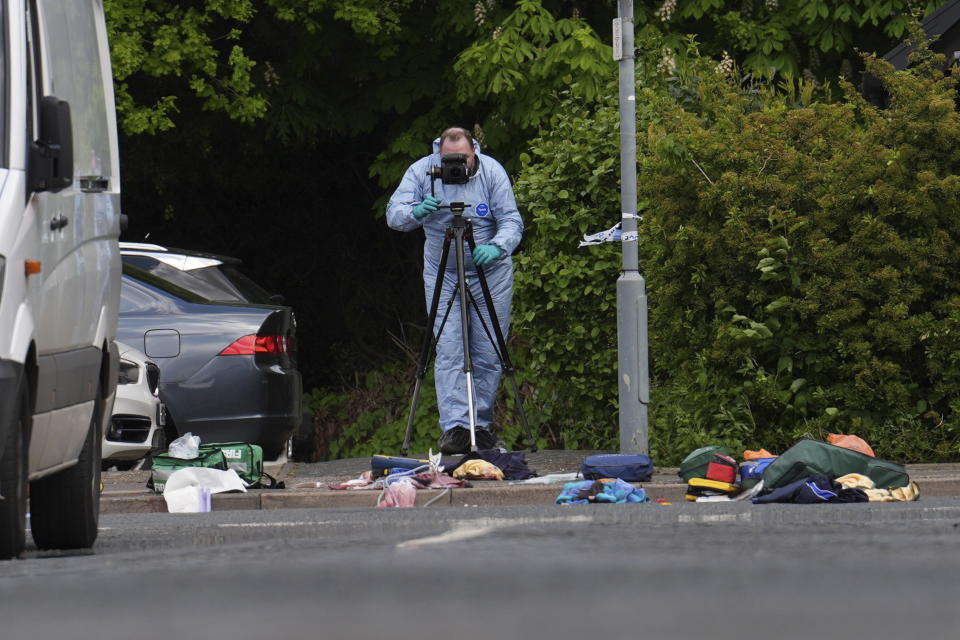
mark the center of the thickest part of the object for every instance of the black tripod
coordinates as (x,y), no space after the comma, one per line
(461,229)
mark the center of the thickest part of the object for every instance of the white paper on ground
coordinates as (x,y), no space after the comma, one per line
(216,480)
(188,500)
(188,490)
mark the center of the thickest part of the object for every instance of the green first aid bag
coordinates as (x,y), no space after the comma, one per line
(695,465)
(812,457)
(244,458)
(164,465)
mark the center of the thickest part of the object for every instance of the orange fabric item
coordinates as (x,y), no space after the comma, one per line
(854,443)
(754,455)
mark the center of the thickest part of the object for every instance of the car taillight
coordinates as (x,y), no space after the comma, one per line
(254,344)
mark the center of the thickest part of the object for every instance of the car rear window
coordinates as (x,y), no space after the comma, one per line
(250,290)
(164,285)
(220,283)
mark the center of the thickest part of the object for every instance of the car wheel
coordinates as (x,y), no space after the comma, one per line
(65,507)
(13,480)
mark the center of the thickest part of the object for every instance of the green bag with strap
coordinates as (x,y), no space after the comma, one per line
(247,460)
(164,465)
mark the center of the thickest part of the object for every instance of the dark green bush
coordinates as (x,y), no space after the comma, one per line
(798,260)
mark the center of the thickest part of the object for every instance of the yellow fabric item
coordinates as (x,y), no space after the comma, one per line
(908,493)
(478,470)
(855,481)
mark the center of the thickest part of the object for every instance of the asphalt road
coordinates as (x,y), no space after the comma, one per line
(709,571)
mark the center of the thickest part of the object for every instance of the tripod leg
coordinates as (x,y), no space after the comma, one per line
(501,348)
(508,369)
(424,358)
(460,229)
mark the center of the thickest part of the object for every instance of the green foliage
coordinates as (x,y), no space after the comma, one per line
(197,45)
(371,416)
(783,38)
(798,261)
(564,306)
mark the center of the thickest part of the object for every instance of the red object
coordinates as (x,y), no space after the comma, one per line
(253,344)
(722,468)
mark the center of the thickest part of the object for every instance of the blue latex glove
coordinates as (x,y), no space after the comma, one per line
(429,205)
(484,254)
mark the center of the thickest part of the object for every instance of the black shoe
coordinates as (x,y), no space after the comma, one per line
(487,440)
(454,440)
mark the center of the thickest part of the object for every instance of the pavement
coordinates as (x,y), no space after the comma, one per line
(307,486)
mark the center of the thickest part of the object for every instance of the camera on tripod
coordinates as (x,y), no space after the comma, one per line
(452,169)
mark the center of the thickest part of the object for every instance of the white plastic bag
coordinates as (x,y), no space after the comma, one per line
(185,447)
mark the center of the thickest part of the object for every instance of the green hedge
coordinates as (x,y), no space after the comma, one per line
(801,261)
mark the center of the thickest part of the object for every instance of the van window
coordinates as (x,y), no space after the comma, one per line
(70,35)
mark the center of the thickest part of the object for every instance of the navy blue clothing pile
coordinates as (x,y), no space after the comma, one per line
(815,489)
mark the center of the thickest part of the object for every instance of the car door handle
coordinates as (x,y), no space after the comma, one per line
(58,223)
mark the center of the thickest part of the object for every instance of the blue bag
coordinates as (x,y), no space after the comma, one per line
(630,467)
(752,470)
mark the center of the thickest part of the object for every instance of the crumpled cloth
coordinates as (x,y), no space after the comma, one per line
(756,455)
(402,493)
(855,481)
(437,480)
(478,470)
(908,493)
(815,489)
(512,463)
(356,483)
(611,491)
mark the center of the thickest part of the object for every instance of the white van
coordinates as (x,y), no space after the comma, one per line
(59,268)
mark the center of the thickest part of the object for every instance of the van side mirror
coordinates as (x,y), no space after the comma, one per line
(51,154)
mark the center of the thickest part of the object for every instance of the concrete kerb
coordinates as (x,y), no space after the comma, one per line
(125,492)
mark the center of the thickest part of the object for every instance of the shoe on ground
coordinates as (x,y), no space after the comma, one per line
(454,440)
(486,439)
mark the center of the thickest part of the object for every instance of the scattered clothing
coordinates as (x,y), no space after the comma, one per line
(399,494)
(437,480)
(814,489)
(356,483)
(908,493)
(612,491)
(512,463)
(478,470)
(855,481)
